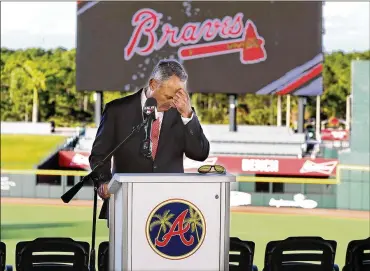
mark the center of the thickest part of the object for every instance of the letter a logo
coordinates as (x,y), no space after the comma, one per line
(179,223)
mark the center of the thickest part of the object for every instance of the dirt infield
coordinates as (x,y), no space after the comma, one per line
(295,211)
(242,209)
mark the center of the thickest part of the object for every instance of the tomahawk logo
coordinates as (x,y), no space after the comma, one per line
(324,168)
(238,38)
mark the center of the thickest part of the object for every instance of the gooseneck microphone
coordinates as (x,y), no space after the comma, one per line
(149,117)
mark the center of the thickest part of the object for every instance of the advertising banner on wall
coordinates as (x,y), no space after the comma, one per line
(263,47)
(240,165)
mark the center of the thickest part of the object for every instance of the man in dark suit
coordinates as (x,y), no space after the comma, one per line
(175,132)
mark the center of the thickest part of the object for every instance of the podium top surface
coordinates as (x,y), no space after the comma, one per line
(120,178)
(173,178)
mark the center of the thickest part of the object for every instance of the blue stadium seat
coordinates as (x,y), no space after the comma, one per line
(358,255)
(299,253)
(241,255)
(44,254)
(103,256)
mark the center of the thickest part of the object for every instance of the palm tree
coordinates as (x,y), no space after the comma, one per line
(194,221)
(33,79)
(163,221)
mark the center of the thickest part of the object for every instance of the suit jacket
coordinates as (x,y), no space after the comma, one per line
(175,140)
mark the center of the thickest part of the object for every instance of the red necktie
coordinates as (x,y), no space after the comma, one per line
(154,137)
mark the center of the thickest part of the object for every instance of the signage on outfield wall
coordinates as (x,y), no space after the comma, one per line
(6,184)
(334,135)
(299,200)
(239,165)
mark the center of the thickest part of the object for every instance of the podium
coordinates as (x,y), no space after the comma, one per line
(169,222)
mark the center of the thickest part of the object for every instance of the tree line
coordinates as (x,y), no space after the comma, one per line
(39,85)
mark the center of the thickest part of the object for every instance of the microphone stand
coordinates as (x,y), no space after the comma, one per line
(94,177)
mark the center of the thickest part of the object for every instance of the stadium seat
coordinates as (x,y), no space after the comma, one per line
(299,253)
(44,254)
(358,255)
(103,256)
(241,255)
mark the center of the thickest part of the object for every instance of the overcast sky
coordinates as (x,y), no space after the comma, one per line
(53,24)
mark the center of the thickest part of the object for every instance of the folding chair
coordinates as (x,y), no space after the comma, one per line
(286,255)
(2,256)
(358,255)
(103,256)
(241,255)
(3,266)
(45,254)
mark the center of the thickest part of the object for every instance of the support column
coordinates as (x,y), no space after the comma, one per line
(287,121)
(98,98)
(278,115)
(232,112)
(301,110)
(348,112)
(318,111)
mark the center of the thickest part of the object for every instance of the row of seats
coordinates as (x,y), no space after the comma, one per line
(280,255)
(249,140)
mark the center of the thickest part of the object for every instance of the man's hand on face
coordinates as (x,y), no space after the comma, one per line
(182,103)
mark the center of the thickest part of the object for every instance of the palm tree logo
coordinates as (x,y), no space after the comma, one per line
(195,221)
(163,221)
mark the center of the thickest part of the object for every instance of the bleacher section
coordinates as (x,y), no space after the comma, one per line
(39,128)
(86,141)
(248,140)
(254,140)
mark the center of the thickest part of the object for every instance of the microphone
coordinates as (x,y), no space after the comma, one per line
(149,117)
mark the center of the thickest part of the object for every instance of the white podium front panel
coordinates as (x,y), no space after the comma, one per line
(169,222)
(175,226)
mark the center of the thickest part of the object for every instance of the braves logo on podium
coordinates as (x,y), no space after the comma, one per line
(175,229)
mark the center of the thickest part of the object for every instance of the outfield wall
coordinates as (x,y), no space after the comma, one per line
(264,191)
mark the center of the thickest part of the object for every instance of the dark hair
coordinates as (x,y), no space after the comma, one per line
(167,68)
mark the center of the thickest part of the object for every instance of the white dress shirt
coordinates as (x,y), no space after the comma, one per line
(159,115)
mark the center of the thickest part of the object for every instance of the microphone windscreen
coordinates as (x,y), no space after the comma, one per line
(149,107)
(151,102)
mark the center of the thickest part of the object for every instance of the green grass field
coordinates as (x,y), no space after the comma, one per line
(26,222)
(25,151)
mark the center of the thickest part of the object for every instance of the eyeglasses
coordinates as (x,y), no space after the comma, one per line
(207,168)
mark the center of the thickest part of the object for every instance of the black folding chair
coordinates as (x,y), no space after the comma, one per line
(45,254)
(103,256)
(299,253)
(3,265)
(2,256)
(241,255)
(358,255)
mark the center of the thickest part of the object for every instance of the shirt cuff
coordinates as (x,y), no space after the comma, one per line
(186,120)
